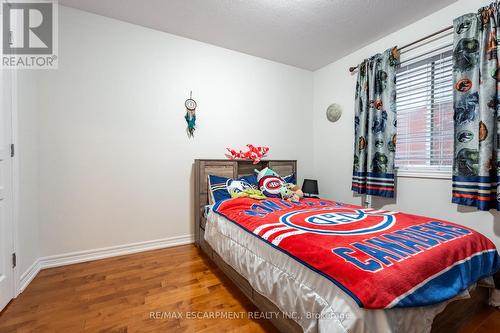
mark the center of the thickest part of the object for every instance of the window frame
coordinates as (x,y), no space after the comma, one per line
(429,171)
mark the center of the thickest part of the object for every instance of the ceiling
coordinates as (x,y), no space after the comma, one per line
(304,33)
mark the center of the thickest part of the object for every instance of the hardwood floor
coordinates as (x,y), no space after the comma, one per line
(137,293)
(120,294)
(486,322)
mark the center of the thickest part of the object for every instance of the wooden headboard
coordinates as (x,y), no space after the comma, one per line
(229,169)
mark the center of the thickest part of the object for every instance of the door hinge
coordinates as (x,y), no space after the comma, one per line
(14,260)
(12,150)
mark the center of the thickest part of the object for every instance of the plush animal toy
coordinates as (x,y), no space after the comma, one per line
(248,193)
(291,192)
(272,185)
(256,153)
(253,153)
(233,154)
(264,173)
(240,189)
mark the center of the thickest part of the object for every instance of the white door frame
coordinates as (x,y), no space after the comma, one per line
(9,227)
(15,183)
(15,177)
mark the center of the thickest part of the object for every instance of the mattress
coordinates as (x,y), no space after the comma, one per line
(307,297)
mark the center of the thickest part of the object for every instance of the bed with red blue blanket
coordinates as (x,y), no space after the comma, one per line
(380,259)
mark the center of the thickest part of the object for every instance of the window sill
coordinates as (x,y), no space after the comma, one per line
(422,173)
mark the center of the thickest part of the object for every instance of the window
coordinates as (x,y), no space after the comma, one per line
(424,106)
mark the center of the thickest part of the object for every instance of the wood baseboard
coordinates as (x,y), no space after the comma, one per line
(96,254)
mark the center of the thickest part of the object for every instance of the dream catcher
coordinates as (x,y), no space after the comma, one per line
(190,115)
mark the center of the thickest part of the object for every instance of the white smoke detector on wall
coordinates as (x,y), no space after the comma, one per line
(333,112)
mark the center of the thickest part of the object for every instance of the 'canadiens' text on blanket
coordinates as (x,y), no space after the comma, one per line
(382,259)
(415,238)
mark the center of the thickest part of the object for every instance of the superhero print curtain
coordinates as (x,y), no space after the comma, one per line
(475,96)
(375,125)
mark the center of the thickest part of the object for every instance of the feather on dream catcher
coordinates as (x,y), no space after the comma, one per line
(190,115)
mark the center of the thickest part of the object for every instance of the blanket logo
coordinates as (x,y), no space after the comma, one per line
(340,221)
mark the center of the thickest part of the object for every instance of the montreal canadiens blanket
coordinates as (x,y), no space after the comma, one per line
(382,259)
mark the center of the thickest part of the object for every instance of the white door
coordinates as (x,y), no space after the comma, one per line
(6,221)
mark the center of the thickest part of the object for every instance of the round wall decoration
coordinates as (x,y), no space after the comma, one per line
(190,104)
(333,112)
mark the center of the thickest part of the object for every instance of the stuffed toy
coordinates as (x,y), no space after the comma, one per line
(241,189)
(253,153)
(273,186)
(264,173)
(291,192)
(248,193)
(256,153)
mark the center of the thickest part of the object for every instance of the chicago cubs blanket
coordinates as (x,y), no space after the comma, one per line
(382,259)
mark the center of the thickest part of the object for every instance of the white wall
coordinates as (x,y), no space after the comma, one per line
(334,143)
(26,160)
(104,158)
(115,163)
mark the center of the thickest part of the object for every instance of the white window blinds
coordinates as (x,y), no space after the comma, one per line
(424,106)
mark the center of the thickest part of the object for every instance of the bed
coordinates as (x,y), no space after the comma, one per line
(305,300)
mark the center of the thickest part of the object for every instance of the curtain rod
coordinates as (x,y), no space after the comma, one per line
(352,69)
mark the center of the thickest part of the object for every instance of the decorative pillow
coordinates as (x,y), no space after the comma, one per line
(290,179)
(271,184)
(222,187)
(251,179)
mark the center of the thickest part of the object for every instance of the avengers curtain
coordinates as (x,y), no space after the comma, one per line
(375,125)
(475,95)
